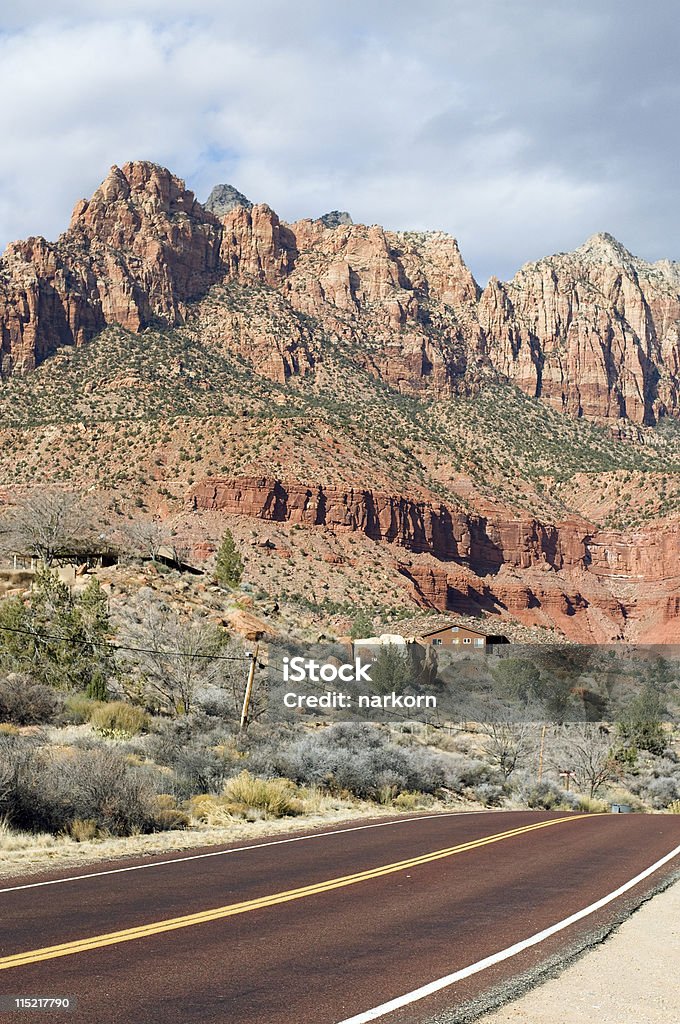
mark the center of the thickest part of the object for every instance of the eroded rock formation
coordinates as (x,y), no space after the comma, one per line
(135,253)
(592,586)
(595,332)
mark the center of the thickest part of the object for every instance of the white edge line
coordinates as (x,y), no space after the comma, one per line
(236,849)
(504,954)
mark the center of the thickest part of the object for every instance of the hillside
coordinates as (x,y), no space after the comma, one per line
(349,399)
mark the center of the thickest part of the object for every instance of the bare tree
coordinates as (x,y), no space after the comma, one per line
(589,751)
(507,745)
(174,659)
(181,551)
(147,537)
(48,526)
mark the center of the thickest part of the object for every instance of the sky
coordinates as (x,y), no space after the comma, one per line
(522,127)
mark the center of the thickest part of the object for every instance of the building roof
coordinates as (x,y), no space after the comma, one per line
(425,625)
(451,625)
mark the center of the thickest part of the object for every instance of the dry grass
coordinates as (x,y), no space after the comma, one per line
(12,841)
(116,719)
(266,799)
(273,798)
(591,805)
(26,854)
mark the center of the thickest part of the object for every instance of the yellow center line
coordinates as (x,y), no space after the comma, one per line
(204,916)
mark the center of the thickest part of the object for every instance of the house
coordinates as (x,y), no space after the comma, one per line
(452,635)
(446,633)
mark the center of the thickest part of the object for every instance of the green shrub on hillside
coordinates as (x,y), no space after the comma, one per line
(229,564)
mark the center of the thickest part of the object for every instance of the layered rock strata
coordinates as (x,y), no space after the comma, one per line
(595,332)
(593,586)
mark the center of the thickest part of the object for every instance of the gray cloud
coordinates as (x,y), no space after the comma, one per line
(521,127)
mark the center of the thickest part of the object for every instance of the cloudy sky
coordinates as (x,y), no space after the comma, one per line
(521,126)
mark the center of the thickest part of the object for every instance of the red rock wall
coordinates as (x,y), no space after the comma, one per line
(595,332)
(593,587)
(417,526)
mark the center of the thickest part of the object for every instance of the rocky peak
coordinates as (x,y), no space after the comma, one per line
(140,189)
(595,332)
(224,198)
(138,250)
(336,219)
(604,248)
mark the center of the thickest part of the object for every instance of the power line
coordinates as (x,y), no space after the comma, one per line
(121,647)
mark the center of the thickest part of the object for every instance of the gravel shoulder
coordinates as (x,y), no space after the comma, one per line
(632,977)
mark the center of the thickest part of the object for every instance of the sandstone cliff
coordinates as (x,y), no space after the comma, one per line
(595,332)
(136,252)
(594,586)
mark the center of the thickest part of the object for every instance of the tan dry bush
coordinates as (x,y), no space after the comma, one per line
(82,830)
(168,814)
(211,810)
(118,719)
(275,797)
(673,807)
(385,795)
(412,801)
(316,801)
(79,708)
(591,805)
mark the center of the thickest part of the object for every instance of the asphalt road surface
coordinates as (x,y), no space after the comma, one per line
(412,920)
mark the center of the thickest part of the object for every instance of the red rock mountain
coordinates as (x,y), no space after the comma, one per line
(594,334)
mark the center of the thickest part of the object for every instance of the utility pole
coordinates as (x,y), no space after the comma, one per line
(249,688)
(540,755)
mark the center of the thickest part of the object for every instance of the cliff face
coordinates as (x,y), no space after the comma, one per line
(596,332)
(419,526)
(594,586)
(137,251)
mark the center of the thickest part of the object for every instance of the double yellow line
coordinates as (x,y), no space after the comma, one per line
(33,956)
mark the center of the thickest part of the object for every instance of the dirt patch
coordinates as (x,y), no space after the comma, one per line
(630,977)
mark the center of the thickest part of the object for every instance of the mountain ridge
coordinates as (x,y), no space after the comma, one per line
(157,354)
(594,337)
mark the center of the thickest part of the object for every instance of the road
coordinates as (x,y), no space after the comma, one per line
(330,927)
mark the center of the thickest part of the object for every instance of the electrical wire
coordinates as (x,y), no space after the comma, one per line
(121,647)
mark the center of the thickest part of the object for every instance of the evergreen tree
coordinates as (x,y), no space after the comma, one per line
(362,625)
(642,722)
(229,564)
(390,671)
(59,639)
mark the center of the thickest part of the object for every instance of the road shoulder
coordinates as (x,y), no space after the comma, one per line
(632,976)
